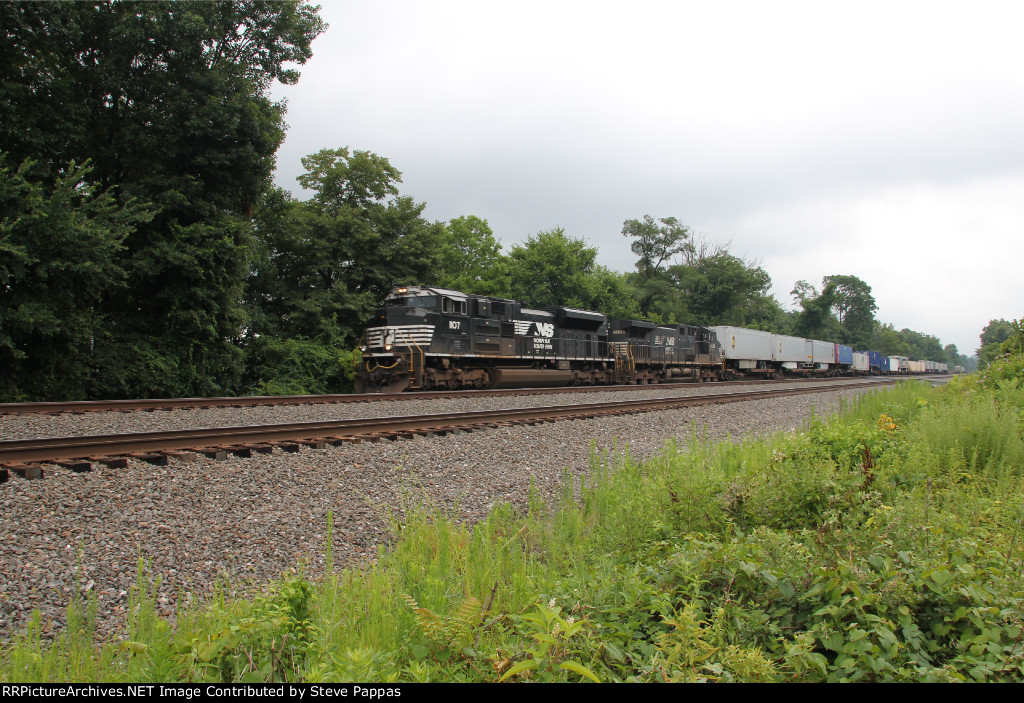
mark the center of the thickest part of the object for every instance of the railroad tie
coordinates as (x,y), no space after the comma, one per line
(184,457)
(155,459)
(215,453)
(27,471)
(78,466)
(111,462)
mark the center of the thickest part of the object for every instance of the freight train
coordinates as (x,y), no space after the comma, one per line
(425,338)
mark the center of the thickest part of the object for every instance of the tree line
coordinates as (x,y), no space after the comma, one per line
(144,251)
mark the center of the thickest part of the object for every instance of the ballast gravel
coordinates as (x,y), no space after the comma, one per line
(248,520)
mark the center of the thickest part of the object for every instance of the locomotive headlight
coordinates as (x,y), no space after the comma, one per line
(362,348)
(387,347)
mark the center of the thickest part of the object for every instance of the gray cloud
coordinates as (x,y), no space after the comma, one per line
(800,131)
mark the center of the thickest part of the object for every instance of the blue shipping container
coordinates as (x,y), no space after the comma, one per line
(844,354)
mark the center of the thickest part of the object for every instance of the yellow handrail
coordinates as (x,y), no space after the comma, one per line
(415,381)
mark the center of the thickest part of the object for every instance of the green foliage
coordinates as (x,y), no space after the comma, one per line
(854,307)
(470,259)
(992,337)
(922,346)
(954,357)
(169,102)
(553,642)
(1014,344)
(322,266)
(656,244)
(60,257)
(445,633)
(269,643)
(722,289)
(843,312)
(697,651)
(889,342)
(300,367)
(553,269)
(706,285)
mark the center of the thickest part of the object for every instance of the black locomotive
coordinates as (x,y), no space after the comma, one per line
(433,338)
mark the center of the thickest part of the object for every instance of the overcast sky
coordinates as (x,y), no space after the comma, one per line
(879,139)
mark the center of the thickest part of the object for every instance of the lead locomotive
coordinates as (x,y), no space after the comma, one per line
(432,338)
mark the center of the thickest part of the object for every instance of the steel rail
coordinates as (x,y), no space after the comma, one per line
(83,447)
(85,406)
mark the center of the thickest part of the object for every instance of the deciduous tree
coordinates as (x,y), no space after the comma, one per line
(655,243)
(60,246)
(992,337)
(323,265)
(170,102)
(470,258)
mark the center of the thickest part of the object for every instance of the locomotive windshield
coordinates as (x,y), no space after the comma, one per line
(413,301)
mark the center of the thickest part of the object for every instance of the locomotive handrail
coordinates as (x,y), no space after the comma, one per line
(415,379)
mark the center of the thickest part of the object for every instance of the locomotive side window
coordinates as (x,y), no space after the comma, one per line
(454,307)
(413,301)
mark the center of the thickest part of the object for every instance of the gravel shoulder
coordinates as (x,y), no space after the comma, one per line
(252,519)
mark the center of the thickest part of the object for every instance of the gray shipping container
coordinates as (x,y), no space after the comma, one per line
(745,345)
(789,349)
(823,354)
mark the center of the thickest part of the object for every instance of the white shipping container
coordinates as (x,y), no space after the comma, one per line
(861,361)
(741,343)
(786,348)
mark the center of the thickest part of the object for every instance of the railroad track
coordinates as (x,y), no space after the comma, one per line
(153,404)
(28,457)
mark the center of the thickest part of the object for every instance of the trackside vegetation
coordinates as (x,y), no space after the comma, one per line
(882,544)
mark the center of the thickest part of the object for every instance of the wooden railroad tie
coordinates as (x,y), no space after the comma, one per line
(155,459)
(184,457)
(111,462)
(76,465)
(27,471)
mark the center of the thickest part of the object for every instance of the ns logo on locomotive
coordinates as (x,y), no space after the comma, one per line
(433,338)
